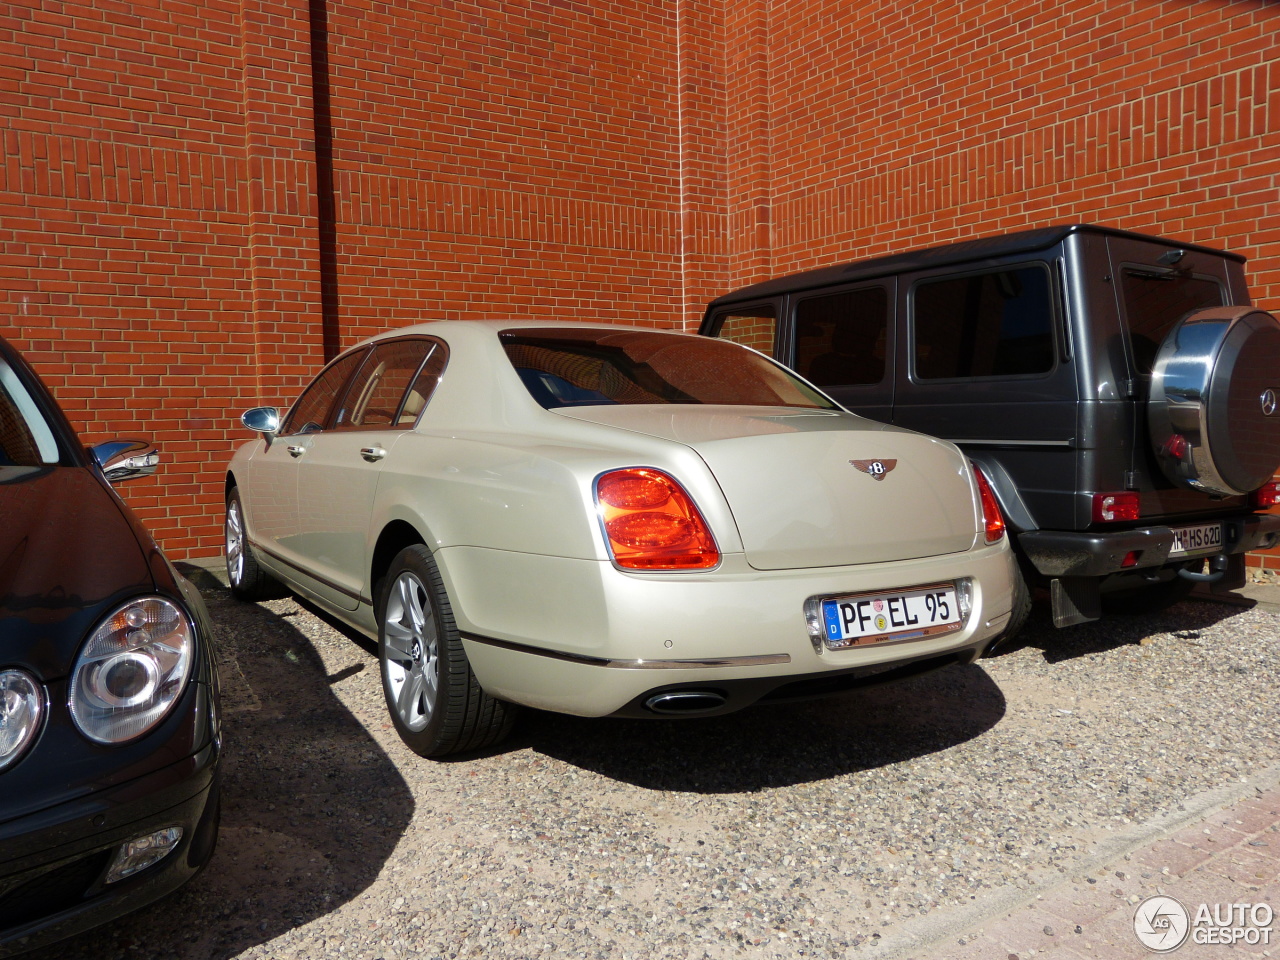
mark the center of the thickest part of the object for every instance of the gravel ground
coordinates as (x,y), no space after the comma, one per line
(830,829)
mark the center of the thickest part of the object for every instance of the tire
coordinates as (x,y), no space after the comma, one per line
(246,577)
(1017,616)
(1148,599)
(1212,410)
(435,701)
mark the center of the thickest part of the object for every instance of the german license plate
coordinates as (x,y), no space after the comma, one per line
(868,618)
(1201,538)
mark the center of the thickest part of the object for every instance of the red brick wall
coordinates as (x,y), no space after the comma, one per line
(161,238)
(560,160)
(894,126)
(123,230)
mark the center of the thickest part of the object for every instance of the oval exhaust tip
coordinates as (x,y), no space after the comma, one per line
(676,702)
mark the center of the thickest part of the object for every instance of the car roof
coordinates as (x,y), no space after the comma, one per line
(1021,241)
(444,328)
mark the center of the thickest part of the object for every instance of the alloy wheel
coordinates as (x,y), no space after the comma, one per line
(411,641)
(235,543)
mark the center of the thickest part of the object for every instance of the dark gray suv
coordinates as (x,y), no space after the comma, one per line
(1118,391)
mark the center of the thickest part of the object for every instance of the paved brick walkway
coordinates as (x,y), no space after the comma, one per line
(1231,856)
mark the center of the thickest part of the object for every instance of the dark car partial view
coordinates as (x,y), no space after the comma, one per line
(109,729)
(1118,391)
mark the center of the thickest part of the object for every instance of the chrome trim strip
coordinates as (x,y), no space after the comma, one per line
(1012,443)
(303,570)
(757,661)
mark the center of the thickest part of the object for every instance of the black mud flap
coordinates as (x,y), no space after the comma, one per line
(1075,600)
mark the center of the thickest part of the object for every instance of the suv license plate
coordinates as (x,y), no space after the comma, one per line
(1201,538)
(869,618)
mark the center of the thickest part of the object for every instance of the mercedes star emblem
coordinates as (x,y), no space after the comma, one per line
(876,469)
(1268,400)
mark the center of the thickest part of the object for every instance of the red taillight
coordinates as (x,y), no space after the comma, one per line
(1114,507)
(651,523)
(990,509)
(1177,447)
(1267,496)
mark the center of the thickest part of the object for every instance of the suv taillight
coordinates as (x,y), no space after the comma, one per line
(650,523)
(1266,496)
(991,517)
(1114,507)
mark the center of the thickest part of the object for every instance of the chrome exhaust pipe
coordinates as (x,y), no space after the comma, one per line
(685,702)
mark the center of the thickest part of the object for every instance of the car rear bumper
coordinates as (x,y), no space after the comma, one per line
(580,637)
(53,863)
(1060,553)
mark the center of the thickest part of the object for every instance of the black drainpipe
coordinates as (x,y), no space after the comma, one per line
(324,177)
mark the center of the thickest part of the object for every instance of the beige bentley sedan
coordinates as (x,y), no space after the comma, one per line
(603,520)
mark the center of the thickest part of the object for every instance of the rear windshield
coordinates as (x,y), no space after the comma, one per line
(1156,299)
(575,368)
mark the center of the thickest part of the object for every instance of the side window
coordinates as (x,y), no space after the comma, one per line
(753,327)
(840,337)
(311,411)
(378,389)
(1155,299)
(993,324)
(424,384)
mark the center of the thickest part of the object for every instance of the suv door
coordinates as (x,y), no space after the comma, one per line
(985,366)
(843,341)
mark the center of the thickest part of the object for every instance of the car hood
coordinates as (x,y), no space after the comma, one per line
(68,552)
(812,488)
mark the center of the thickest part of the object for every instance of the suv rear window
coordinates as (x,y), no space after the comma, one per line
(993,324)
(571,368)
(1156,299)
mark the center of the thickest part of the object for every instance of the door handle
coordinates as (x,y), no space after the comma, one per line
(372,454)
(296,451)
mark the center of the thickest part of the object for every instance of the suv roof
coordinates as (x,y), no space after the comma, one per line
(1021,241)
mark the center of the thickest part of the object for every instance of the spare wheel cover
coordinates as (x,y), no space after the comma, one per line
(1216,385)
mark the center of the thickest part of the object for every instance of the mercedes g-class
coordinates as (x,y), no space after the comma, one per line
(1119,392)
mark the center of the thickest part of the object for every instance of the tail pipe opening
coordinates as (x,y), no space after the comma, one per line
(685,702)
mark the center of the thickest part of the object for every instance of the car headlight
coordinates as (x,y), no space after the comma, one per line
(21,710)
(132,670)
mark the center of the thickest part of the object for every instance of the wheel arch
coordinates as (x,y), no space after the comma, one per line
(394,537)
(1014,510)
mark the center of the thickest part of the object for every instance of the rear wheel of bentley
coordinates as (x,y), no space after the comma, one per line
(436,704)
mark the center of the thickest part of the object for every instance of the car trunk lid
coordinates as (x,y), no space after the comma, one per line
(813,488)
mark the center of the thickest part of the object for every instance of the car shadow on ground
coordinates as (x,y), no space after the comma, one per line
(312,807)
(776,745)
(1185,620)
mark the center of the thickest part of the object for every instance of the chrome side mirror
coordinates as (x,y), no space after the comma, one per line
(262,420)
(122,460)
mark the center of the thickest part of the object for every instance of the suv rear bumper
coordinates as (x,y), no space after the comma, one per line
(1062,553)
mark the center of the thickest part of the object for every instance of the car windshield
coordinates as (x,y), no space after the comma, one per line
(574,368)
(25,438)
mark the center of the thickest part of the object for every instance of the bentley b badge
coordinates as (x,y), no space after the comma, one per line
(876,469)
